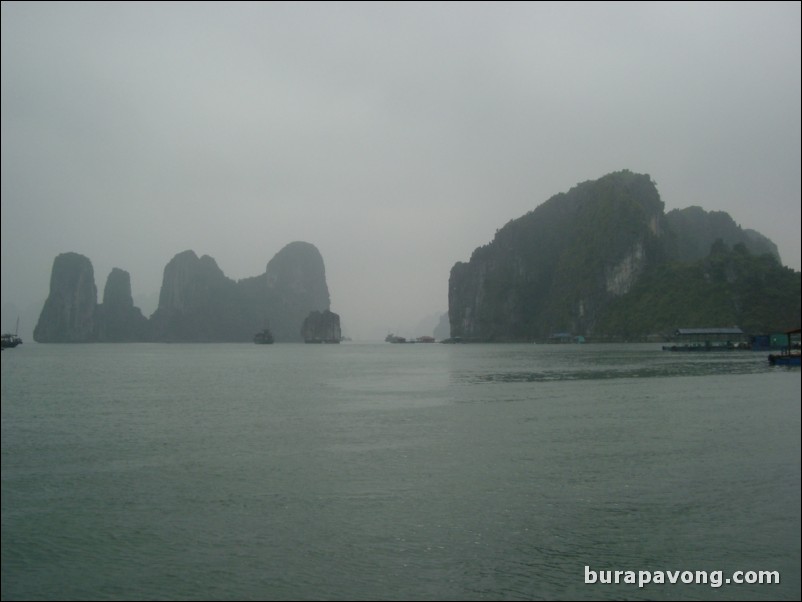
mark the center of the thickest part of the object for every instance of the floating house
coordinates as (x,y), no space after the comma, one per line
(709,339)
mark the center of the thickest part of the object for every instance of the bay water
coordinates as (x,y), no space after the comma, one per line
(368,471)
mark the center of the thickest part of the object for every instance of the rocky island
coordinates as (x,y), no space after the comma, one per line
(604,260)
(321,327)
(197,302)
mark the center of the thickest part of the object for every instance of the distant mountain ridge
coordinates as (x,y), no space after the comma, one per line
(197,302)
(696,230)
(572,263)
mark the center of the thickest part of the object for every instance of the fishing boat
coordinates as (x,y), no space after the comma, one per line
(263,337)
(9,341)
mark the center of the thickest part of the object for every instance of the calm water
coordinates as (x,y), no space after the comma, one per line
(393,472)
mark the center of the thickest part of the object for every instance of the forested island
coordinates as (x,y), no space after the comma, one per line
(605,261)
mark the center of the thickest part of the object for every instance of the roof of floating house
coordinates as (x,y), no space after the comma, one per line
(708,331)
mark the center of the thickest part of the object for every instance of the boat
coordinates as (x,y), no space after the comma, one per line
(263,337)
(9,341)
(790,355)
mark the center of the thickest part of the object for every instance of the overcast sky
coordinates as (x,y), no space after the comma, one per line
(396,137)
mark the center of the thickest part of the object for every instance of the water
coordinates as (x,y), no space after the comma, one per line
(394,472)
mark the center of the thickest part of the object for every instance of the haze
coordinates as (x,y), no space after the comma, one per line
(395,137)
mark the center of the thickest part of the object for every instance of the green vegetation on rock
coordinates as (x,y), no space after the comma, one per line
(603,260)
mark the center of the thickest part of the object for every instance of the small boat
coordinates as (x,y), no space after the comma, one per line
(9,340)
(263,337)
(790,355)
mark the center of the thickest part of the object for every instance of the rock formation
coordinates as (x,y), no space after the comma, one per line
(116,319)
(443,329)
(556,268)
(578,264)
(71,313)
(294,284)
(197,303)
(68,315)
(321,327)
(696,230)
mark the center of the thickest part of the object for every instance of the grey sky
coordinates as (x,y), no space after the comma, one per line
(394,137)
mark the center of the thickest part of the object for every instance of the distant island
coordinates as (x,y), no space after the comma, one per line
(605,262)
(197,302)
(601,262)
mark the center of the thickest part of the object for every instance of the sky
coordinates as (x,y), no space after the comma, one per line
(395,137)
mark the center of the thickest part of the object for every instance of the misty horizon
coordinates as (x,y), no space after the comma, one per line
(394,138)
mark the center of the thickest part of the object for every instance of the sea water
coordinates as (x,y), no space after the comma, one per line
(396,472)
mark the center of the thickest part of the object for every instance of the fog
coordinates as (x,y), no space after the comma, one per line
(395,137)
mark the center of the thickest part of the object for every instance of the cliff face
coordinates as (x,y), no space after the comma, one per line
(116,319)
(556,268)
(197,301)
(68,315)
(728,287)
(596,260)
(295,280)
